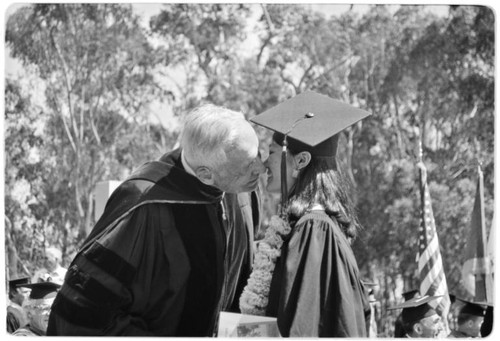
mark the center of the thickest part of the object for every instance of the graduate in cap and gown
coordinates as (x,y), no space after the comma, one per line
(316,290)
(469,320)
(16,316)
(419,319)
(37,307)
(398,325)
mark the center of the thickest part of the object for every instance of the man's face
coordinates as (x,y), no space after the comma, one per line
(243,167)
(472,327)
(38,311)
(20,295)
(431,326)
(51,261)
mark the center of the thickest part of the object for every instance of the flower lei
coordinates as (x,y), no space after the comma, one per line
(254,299)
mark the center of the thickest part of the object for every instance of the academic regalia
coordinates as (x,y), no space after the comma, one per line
(487,325)
(457,334)
(16,316)
(161,260)
(398,324)
(316,289)
(414,309)
(469,310)
(38,305)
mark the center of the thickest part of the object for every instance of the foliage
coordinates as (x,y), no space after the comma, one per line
(25,202)
(424,78)
(97,67)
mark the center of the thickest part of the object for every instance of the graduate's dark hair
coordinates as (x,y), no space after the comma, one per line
(323,182)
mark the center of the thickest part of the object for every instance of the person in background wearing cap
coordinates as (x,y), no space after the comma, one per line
(16,317)
(399,331)
(316,290)
(52,271)
(469,320)
(173,246)
(37,307)
(419,319)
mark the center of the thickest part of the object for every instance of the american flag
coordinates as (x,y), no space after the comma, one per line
(430,265)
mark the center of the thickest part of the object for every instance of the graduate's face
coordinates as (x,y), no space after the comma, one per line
(430,326)
(273,167)
(20,294)
(472,327)
(242,170)
(38,312)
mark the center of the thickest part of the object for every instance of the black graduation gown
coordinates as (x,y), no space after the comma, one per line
(161,261)
(316,290)
(458,334)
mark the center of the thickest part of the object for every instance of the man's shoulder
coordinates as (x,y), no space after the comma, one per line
(25,331)
(457,334)
(14,307)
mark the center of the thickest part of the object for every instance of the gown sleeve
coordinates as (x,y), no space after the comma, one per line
(321,294)
(123,283)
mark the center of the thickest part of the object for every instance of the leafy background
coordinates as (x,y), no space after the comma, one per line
(103,90)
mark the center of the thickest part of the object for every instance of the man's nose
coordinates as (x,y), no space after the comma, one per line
(259,167)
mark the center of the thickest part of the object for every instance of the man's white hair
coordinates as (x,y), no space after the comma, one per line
(55,252)
(209,134)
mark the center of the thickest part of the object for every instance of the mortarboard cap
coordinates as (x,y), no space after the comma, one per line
(416,308)
(370,286)
(472,308)
(13,283)
(311,122)
(308,122)
(41,289)
(411,294)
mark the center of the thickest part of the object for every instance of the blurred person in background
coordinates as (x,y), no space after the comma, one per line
(52,270)
(16,317)
(37,307)
(469,320)
(419,319)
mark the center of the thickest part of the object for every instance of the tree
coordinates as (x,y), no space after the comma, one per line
(97,66)
(24,180)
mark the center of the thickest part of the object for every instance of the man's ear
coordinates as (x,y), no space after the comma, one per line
(417,328)
(205,175)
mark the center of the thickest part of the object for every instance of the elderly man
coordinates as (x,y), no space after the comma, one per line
(52,271)
(173,246)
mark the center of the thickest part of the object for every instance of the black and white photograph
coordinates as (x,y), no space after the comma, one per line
(249,169)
